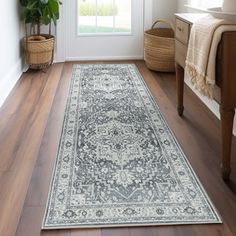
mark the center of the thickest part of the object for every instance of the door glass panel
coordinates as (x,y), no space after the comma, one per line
(123,16)
(104,16)
(87,16)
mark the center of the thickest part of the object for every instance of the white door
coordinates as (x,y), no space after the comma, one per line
(104,29)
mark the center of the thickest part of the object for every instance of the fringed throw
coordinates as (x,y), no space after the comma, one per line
(202,49)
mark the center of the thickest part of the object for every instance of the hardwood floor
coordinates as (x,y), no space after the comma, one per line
(30,126)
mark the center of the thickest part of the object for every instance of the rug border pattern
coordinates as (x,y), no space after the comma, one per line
(107,225)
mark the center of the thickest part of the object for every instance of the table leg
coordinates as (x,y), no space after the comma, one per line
(180,87)
(227,118)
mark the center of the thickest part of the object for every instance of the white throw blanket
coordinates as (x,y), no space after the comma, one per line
(200,62)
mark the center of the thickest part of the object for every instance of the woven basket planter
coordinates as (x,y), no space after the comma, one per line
(159,48)
(39,51)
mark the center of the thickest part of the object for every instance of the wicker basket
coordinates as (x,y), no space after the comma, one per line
(159,48)
(39,51)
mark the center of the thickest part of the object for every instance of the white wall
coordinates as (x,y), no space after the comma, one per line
(10,50)
(164,9)
(181,7)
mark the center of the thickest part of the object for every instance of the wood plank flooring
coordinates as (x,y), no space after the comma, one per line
(30,127)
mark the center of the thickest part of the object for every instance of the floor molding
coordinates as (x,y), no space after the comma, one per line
(105,58)
(8,81)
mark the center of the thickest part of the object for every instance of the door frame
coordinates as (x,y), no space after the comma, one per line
(60,45)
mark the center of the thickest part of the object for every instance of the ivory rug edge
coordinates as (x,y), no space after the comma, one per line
(120,224)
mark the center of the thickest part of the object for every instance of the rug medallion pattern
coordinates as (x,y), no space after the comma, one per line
(118,163)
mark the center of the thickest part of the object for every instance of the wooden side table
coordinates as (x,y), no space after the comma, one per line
(225,89)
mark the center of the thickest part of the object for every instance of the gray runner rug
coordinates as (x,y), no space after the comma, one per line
(118,163)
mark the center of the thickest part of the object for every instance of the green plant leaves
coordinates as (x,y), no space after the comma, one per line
(40,11)
(45,16)
(32,5)
(23,3)
(54,10)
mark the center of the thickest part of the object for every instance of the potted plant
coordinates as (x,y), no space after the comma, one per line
(39,48)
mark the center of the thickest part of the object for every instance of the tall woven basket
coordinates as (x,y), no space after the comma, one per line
(159,48)
(39,50)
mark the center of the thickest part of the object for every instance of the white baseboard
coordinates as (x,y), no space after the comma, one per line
(211,104)
(8,81)
(105,58)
